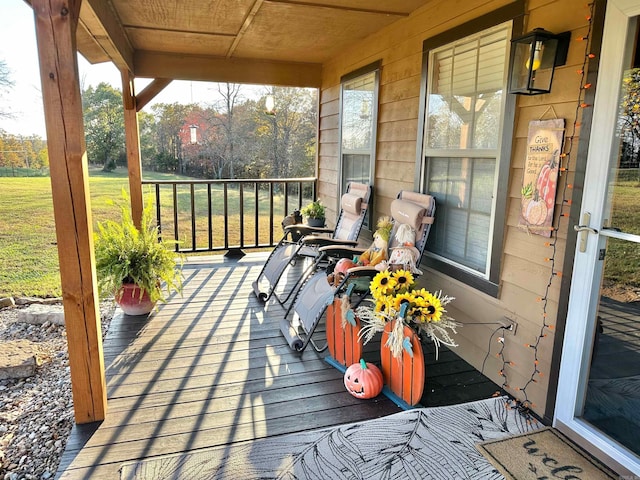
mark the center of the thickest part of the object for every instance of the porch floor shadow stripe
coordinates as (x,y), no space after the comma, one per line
(206,358)
(154,386)
(211,368)
(132,349)
(204,366)
(216,343)
(209,355)
(203,404)
(171,340)
(238,418)
(210,420)
(234,372)
(222,403)
(138,449)
(256,387)
(217,327)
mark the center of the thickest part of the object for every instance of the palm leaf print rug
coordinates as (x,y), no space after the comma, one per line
(426,443)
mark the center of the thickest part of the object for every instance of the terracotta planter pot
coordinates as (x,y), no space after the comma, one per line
(128,298)
(344,345)
(404,375)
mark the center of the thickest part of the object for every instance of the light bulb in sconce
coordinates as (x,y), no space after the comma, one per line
(270,105)
(537,55)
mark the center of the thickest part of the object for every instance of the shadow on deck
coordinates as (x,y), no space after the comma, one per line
(211,368)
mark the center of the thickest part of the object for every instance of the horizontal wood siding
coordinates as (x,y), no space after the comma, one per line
(525,268)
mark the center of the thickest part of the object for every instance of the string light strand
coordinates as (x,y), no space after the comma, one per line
(523,403)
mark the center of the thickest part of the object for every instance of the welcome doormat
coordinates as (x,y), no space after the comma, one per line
(435,443)
(544,453)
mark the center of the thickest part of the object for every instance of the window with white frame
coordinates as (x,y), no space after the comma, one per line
(358,119)
(463,150)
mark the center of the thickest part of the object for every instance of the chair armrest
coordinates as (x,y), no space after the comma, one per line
(362,271)
(325,241)
(303,229)
(340,251)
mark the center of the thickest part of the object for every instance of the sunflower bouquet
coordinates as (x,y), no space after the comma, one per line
(396,299)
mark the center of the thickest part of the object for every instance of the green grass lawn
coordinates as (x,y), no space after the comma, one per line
(28,250)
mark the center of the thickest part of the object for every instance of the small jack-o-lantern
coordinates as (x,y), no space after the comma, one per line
(363,380)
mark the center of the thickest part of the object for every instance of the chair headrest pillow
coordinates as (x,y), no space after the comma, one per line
(351,203)
(408,213)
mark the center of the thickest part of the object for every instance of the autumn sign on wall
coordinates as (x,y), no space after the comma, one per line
(544,144)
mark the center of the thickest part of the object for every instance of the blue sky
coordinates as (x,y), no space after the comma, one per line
(18,50)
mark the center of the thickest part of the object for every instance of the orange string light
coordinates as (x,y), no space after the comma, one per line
(523,403)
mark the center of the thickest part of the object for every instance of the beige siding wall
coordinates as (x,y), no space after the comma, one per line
(524,271)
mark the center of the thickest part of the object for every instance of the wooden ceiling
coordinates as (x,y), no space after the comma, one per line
(279,42)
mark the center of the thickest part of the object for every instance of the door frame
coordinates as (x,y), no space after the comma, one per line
(585,282)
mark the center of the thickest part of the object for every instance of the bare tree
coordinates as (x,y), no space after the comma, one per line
(231,96)
(6,84)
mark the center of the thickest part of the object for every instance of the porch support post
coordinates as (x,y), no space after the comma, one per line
(132,134)
(56,22)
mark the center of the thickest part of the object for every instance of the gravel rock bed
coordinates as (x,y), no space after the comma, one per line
(36,413)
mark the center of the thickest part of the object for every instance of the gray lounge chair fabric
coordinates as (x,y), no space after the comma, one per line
(316,294)
(354,205)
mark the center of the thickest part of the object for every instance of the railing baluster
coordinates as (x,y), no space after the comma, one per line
(270,213)
(225,208)
(286,198)
(158,214)
(193,217)
(241,209)
(175,215)
(209,220)
(256,213)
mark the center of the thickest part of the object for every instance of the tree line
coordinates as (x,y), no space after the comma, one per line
(233,137)
(18,151)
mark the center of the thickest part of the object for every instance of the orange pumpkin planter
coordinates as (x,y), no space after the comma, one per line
(405,375)
(344,345)
(363,380)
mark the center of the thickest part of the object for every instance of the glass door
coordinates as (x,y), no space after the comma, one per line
(599,388)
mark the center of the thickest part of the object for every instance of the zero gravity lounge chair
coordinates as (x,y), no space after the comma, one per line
(316,294)
(353,209)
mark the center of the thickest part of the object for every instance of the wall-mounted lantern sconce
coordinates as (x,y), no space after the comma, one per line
(193,131)
(534,57)
(269,105)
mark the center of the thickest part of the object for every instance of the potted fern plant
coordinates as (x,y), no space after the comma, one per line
(314,213)
(133,264)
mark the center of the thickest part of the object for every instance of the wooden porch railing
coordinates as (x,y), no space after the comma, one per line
(231,215)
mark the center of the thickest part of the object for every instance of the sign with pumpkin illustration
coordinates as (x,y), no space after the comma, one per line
(540,179)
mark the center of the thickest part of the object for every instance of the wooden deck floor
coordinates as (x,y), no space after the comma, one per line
(211,368)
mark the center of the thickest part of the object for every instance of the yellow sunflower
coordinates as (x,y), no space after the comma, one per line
(382,284)
(404,280)
(382,304)
(432,309)
(421,296)
(401,298)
